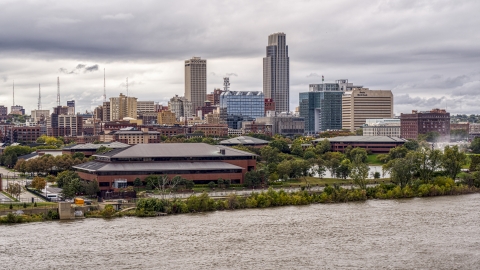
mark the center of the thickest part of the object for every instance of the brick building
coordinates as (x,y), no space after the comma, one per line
(211,130)
(199,162)
(132,137)
(416,123)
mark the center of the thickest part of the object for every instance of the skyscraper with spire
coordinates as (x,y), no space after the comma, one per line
(276,72)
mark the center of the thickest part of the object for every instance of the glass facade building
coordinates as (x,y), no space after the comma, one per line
(238,106)
(322,107)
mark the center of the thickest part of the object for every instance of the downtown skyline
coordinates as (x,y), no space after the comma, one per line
(419,50)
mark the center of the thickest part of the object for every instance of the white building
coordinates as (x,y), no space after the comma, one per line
(382,127)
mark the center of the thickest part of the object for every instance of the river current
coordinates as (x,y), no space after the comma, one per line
(419,233)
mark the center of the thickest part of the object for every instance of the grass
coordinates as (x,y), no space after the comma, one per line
(19,206)
(372,160)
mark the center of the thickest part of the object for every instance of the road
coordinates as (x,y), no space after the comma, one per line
(25,196)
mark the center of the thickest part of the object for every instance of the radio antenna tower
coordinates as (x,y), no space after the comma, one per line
(13,93)
(226,83)
(58,91)
(127,86)
(104,91)
(39,98)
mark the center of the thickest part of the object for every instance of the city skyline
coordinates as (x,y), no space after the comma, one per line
(420,50)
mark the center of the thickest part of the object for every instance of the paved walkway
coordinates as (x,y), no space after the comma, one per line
(25,196)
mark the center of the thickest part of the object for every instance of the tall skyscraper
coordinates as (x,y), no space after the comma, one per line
(276,72)
(196,82)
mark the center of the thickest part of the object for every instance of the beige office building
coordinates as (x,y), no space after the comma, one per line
(196,82)
(166,118)
(145,106)
(123,106)
(361,104)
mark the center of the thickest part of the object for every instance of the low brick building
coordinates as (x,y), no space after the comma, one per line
(376,144)
(199,162)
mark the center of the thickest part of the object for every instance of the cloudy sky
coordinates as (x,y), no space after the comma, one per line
(427,52)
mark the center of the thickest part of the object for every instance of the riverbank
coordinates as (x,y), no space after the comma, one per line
(149,207)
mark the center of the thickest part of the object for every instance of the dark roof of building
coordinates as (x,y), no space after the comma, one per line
(28,156)
(154,166)
(174,150)
(244,140)
(365,139)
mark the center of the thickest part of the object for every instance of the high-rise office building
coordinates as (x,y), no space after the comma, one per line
(322,107)
(238,106)
(146,106)
(180,106)
(71,106)
(361,104)
(123,106)
(276,72)
(196,81)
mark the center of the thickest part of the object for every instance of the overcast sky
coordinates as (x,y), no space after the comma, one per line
(427,52)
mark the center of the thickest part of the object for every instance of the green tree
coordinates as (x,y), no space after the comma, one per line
(91,188)
(401,171)
(297,150)
(321,167)
(269,154)
(357,153)
(323,147)
(78,155)
(343,170)
(284,169)
(66,177)
(411,145)
(281,145)
(137,182)
(359,172)
(71,188)
(211,185)
(309,154)
(474,163)
(475,145)
(453,160)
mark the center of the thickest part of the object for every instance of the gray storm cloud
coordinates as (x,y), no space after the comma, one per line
(422,50)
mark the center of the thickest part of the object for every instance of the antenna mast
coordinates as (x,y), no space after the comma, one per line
(58,91)
(127,86)
(39,98)
(13,93)
(104,91)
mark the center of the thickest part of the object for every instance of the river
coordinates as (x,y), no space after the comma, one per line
(419,233)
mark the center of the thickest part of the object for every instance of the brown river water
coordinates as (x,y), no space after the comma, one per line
(420,233)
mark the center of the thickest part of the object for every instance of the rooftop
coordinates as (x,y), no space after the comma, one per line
(173,150)
(155,166)
(89,146)
(245,140)
(367,139)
